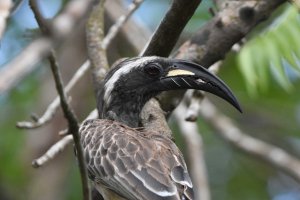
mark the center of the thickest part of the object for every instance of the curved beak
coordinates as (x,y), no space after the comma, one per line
(187,75)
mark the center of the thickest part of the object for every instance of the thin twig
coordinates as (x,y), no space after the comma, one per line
(53,151)
(114,29)
(195,155)
(276,156)
(60,145)
(135,34)
(53,106)
(67,110)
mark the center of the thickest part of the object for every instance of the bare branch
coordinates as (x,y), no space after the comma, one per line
(60,145)
(114,29)
(52,108)
(95,35)
(194,144)
(5,7)
(273,155)
(167,33)
(53,151)
(135,34)
(61,27)
(97,43)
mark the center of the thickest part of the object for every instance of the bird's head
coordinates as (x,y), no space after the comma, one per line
(132,82)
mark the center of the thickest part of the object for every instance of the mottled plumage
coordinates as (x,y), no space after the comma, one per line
(138,164)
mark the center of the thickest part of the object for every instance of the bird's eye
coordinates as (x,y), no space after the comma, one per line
(153,69)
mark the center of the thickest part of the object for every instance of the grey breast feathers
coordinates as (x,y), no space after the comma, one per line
(135,164)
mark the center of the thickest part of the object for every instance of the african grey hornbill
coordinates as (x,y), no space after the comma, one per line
(128,162)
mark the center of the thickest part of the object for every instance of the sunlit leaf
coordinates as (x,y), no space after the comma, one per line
(269,52)
(248,71)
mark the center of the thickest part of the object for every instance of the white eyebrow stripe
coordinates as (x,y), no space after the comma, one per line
(110,84)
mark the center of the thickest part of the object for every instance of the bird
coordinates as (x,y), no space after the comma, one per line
(126,161)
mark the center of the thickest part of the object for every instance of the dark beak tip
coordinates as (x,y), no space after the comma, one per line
(238,107)
(236,104)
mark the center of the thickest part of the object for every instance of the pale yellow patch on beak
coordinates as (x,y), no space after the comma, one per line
(179,72)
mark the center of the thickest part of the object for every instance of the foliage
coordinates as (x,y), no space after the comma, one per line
(275,51)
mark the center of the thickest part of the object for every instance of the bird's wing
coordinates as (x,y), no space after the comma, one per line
(134,164)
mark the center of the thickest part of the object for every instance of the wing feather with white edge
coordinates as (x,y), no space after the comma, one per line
(137,165)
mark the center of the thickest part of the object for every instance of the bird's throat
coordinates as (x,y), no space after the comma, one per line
(124,110)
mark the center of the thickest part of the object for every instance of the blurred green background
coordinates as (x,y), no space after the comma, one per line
(264,75)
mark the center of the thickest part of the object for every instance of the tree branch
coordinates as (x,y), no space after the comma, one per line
(53,151)
(95,35)
(97,43)
(237,18)
(115,28)
(167,33)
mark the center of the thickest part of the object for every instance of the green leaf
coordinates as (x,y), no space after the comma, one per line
(261,64)
(247,69)
(275,57)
